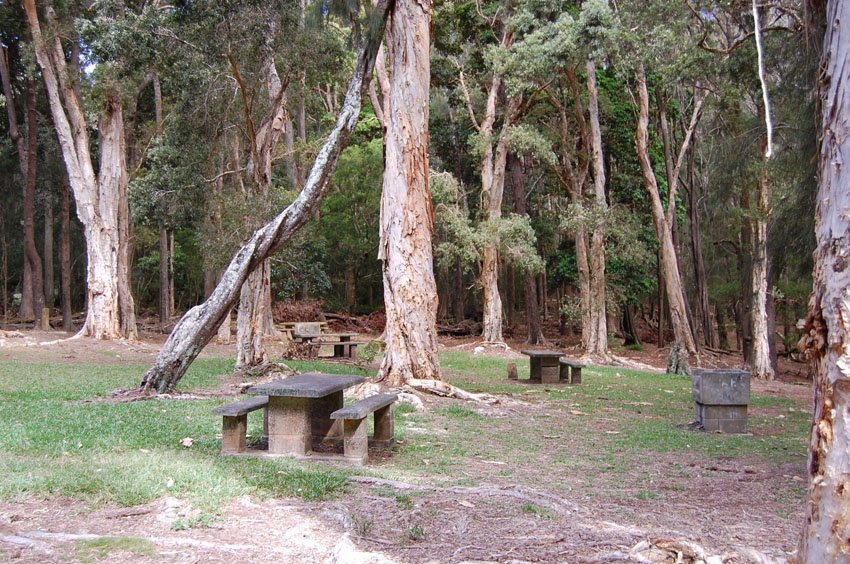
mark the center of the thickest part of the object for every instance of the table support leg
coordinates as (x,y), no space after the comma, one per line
(534,372)
(289,425)
(323,427)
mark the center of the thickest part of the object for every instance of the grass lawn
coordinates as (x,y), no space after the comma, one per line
(603,438)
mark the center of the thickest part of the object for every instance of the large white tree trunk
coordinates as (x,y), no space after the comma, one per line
(596,342)
(407,219)
(761,363)
(827,337)
(100,199)
(672,280)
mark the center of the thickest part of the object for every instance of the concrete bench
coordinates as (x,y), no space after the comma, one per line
(234,425)
(345,349)
(570,370)
(355,434)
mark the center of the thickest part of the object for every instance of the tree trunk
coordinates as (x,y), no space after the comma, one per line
(827,333)
(27,148)
(760,363)
(708,330)
(596,342)
(518,176)
(65,257)
(101,200)
(164,286)
(171,293)
(198,325)
(250,317)
(49,294)
(407,218)
(459,290)
(350,290)
(672,280)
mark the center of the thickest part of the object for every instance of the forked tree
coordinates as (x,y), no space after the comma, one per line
(101,197)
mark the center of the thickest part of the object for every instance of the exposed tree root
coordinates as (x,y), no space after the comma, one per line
(447,390)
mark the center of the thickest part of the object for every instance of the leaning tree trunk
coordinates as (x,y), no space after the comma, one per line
(99,198)
(596,343)
(199,324)
(672,280)
(827,329)
(407,218)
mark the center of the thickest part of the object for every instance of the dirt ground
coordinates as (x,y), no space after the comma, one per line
(727,512)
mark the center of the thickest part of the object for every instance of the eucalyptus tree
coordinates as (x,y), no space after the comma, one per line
(101,197)
(407,219)
(753,35)
(827,335)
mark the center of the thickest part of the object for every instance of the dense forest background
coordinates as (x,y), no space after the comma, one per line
(508,79)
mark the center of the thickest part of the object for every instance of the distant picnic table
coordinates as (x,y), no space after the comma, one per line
(313,333)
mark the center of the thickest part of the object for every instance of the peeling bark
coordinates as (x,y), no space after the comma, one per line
(596,343)
(407,218)
(827,329)
(101,199)
(199,324)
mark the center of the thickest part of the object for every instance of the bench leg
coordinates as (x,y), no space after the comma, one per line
(339,351)
(352,351)
(564,371)
(233,434)
(384,426)
(575,377)
(356,442)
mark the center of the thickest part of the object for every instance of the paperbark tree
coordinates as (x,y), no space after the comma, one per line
(101,199)
(662,221)
(518,174)
(493,165)
(827,330)
(596,342)
(761,364)
(26,144)
(407,218)
(199,324)
(253,319)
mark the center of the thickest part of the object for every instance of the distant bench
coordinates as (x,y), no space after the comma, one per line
(234,424)
(355,431)
(570,370)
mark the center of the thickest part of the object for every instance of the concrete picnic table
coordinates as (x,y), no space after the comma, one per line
(544,366)
(300,407)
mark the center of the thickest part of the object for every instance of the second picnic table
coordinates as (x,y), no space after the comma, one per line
(544,366)
(299,410)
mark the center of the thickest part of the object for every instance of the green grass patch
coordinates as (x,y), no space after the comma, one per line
(98,549)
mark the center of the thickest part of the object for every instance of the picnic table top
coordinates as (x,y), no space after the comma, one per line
(307,385)
(530,352)
(320,335)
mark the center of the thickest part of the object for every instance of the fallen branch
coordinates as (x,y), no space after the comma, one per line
(444,389)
